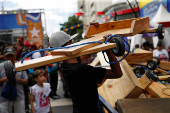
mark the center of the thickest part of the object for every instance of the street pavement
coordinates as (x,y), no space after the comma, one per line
(62,105)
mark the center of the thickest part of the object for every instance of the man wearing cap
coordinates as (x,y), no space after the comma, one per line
(160,52)
(21,48)
(146,46)
(21,78)
(82,79)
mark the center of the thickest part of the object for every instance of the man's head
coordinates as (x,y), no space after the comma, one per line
(33,47)
(20,40)
(9,54)
(159,46)
(60,38)
(136,46)
(146,45)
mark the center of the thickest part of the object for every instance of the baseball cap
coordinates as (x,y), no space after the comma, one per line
(20,38)
(9,50)
(147,43)
(59,38)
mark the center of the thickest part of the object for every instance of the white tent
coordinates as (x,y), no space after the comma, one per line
(162,16)
(122,1)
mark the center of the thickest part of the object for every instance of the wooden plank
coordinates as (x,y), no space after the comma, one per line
(163,77)
(162,71)
(139,57)
(150,30)
(155,89)
(143,105)
(141,51)
(139,25)
(51,59)
(95,62)
(145,81)
(78,49)
(127,86)
(122,24)
(165,65)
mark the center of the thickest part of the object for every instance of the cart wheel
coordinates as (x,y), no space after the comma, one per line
(151,65)
(137,70)
(10,72)
(168,79)
(158,60)
(151,75)
(119,50)
(161,31)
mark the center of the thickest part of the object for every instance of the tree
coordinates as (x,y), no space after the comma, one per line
(72,21)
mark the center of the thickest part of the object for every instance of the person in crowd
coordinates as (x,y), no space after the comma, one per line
(18,105)
(21,48)
(2,52)
(169,52)
(160,52)
(82,79)
(53,75)
(136,47)
(146,46)
(40,92)
(35,55)
(15,46)
(42,52)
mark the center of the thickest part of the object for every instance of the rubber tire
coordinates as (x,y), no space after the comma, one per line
(151,75)
(10,73)
(160,30)
(168,79)
(120,46)
(135,68)
(154,67)
(158,60)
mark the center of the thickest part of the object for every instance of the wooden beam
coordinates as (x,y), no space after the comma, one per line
(143,105)
(150,30)
(116,25)
(139,25)
(155,89)
(162,71)
(145,81)
(78,49)
(51,59)
(95,62)
(165,65)
(163,77)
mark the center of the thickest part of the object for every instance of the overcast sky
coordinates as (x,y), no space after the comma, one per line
(56,11)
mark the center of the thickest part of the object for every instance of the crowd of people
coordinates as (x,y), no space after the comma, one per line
(159,51)
(27,79)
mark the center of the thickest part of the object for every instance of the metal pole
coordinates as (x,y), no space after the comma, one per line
(12,39)
(132,9)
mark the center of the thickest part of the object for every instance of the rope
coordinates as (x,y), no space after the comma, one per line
(164,92)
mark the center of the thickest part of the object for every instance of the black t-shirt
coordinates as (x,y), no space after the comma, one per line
(82,82)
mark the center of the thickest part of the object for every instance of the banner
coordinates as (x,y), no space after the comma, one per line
(34,28)
(30,21)
(150,7)
(12,21)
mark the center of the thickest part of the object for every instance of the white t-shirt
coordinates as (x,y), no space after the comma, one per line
(162,52)
(42,104)
(36,55)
